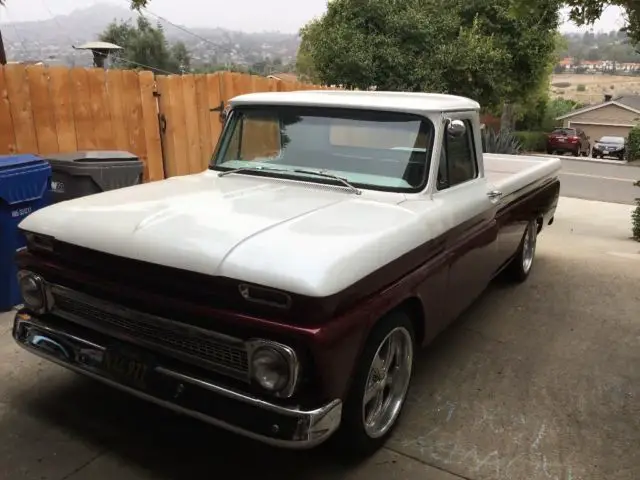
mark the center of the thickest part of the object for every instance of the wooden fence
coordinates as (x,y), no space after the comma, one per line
(167,121)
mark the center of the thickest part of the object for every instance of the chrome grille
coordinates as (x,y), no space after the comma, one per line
(184,342)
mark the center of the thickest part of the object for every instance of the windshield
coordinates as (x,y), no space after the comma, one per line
(616,140)
(369,149)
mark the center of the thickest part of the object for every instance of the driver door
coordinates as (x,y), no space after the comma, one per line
(471,240)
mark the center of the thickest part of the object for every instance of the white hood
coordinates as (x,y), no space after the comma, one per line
(307,239)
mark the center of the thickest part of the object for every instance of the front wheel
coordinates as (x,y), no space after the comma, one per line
(520,267)
(379,387)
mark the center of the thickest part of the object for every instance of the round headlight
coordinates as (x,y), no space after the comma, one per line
(270,369)
(32,291)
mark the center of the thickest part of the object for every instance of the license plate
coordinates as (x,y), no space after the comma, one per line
(562,139)
(128,367)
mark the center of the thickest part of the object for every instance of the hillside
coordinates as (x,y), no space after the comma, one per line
(51,40)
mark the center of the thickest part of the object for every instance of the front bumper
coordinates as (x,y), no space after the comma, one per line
(607,153)
(83,351)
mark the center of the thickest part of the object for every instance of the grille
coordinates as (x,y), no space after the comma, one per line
(178,339)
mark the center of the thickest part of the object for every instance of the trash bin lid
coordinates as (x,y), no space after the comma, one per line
(9,162)
(23,178)
(93,156)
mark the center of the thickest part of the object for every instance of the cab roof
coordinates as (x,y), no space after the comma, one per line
(371,100)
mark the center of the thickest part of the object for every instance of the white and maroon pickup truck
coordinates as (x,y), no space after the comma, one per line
(282,293)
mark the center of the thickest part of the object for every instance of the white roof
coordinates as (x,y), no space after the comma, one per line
(376,100)
(99,45)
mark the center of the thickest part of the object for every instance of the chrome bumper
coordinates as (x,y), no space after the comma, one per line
(82,351)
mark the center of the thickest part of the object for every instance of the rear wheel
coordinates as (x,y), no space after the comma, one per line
(379,387)
(520,267)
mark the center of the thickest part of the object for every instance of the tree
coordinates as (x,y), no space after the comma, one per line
(181,56)
(478,49)
(532,43)
(410,45)
(146,46)
(304,63)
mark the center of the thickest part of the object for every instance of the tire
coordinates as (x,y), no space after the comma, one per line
(549,151)
(576,153)
(356,439)
(521,265)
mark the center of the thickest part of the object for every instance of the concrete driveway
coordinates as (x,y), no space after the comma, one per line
(538,381)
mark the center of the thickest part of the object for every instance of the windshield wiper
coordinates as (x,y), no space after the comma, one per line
(320,173)
(249,169)
(325,174)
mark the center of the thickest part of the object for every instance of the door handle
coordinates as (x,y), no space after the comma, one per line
(494,195)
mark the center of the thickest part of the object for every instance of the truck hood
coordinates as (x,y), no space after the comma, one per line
(303,238)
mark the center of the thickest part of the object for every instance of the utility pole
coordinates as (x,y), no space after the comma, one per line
(3,54)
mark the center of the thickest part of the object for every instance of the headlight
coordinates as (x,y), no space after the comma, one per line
(274,367)
(270,369)
(33,292)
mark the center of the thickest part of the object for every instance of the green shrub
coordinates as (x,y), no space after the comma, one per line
(561,84)
(635,218)
(633,144)
(532,141)
(581,87)
(502,141)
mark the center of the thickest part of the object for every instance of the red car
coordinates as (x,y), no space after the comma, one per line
(572,140)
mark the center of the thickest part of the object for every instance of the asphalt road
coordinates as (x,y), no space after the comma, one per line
(599,181)
(537,381)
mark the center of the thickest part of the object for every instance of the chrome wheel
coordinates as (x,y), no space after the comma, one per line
(529,246)
(387,382)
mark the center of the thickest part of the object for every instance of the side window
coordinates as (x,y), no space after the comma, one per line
(458,162)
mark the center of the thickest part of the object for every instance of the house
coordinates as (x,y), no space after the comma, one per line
(285,77)
(614,116)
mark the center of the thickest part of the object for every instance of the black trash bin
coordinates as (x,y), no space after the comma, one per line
(78,174)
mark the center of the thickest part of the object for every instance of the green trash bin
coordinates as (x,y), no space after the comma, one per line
(82,173)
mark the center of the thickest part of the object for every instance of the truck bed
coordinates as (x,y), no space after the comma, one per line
(510,173)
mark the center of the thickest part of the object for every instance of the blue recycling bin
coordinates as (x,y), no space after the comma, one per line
(24,188)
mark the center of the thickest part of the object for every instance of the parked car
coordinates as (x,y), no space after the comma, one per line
(283,292)
(572,140)
(610,146)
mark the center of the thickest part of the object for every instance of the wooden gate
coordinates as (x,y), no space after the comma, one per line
(168,121)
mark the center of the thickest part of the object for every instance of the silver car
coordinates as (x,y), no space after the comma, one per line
(609,146)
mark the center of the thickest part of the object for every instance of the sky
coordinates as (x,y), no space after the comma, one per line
(246,15)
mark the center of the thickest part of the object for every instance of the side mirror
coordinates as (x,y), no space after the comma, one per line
(456,128)
(224,111)
(224,114)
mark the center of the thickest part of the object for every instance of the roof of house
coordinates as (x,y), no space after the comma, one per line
(285,77)
(632,101)
(628,102)
(378,100)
